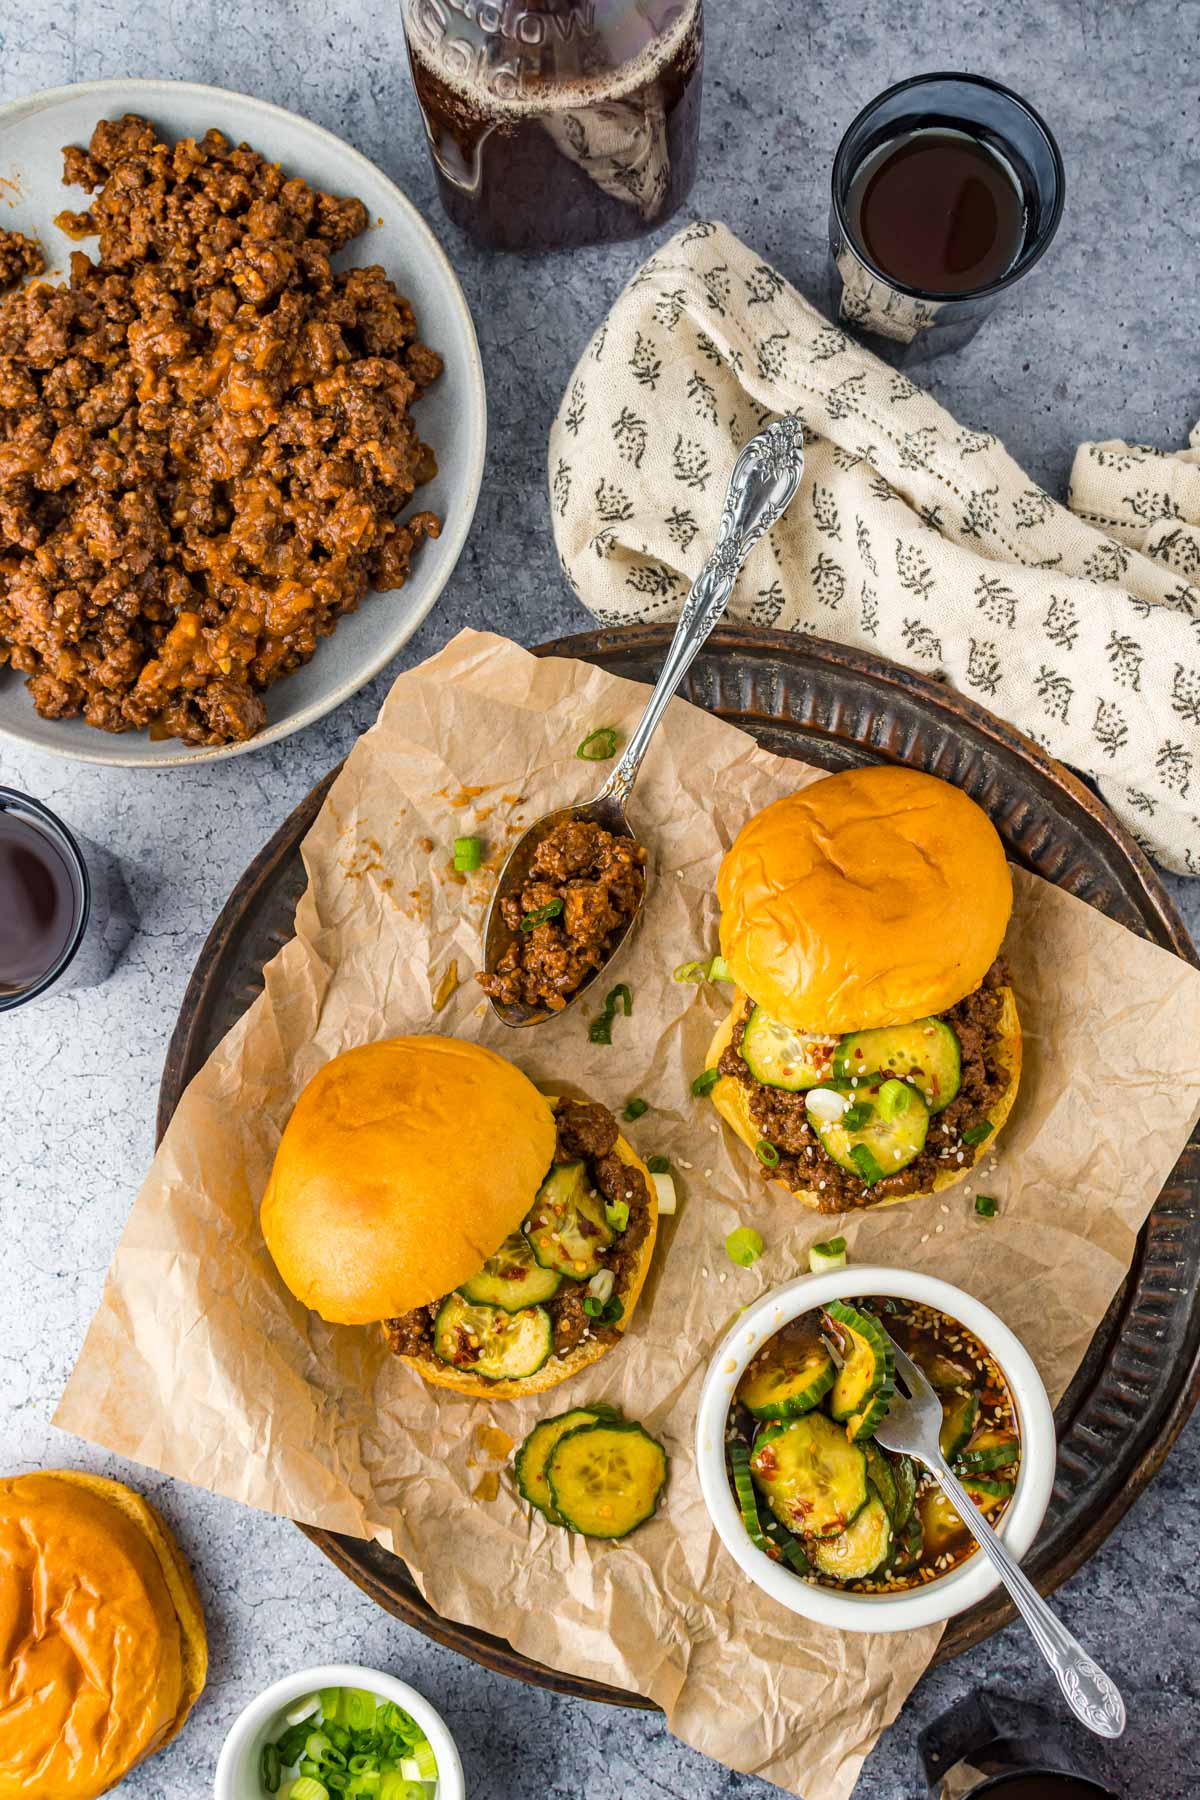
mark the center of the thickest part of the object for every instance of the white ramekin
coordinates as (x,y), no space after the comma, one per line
(238,1764)
(949,1594)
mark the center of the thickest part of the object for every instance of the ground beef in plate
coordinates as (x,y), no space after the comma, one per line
(586,1130)
(19,256)
(803,1163)
(205,439)
(594,881)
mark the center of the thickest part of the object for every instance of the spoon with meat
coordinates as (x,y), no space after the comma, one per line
(575,882)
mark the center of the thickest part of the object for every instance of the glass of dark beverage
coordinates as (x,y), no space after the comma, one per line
(989,1747)
(947,189)
(556,123)
(65,911)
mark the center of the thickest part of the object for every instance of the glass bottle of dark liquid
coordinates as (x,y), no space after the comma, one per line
(554,123)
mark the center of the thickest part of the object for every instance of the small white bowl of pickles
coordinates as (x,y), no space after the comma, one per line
(339,1733)
(818,1514)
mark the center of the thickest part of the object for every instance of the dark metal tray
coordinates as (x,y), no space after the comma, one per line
(834,707)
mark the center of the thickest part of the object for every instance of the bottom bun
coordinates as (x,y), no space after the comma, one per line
(559,1368)
(732,1101)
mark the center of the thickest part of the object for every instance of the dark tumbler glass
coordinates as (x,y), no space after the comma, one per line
(66,915)
(922,322)
(990,1747)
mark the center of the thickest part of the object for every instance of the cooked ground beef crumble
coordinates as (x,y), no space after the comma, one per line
(19,256)
(586,1130)
(803,1160)
(593,881)
(204,440)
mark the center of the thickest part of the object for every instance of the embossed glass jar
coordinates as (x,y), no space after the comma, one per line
(554,123)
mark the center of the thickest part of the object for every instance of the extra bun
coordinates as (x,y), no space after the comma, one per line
(732,1101)
(105,1651)
(559,1368)
(871,898)
(404,1166)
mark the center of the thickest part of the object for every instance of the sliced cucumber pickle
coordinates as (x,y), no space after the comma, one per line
(511,1279)
(883,1480)
(566,1227)
(605,1479)
(743,1482)
(529,1465)
(888,1123)
(867,1360)
(789,1376)
(905,1472)
(925,1053)
(942,1528)
(959,1419)
(499,1345)
(907,1547)
(813,1479)
(781,1057)
(989,1450)
(859,1550)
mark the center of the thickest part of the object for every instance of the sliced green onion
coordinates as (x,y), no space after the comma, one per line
(827,1256)
(622,996)
(318,1748)
(975,1134)
(856,1116)
(715,969)
(744,1246)
(664,1192)
(689,971)
(705,1082)
(270,1768)
(468,854)
(864,1161)
(617,1214)
(606,1311)
(985,1205)
(532,920)
(658,1165)
(766,1153)
(718,970)
(399,1787)
(894,1098)
(303,1709)
(307,1788)
(331,1705)
(600,1029)
(599,745)
(634,1109)
(360,1709)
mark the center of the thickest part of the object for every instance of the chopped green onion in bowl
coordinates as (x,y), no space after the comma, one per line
(827,1256)
(744,1246)
(348,1742)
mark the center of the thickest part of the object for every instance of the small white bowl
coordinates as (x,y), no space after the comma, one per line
(238,1764)
(949,1594)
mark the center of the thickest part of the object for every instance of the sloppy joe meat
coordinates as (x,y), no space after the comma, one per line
(205,439)
(19,256)
(593,880)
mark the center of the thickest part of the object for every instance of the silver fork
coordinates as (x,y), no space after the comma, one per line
(913,1426)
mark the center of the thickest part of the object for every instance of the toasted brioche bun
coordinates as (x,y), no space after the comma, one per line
(870,898)
(105,1647)
(371,1208)
(559,1368)
(731,1100)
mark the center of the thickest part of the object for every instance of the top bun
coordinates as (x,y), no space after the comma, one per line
(105,1650)
(403,1167)
(870,898)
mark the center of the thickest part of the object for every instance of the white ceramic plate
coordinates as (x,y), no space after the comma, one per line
(452,417)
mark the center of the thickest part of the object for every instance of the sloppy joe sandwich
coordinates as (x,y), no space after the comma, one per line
(499,1236)
(105,1652)
(873,1049)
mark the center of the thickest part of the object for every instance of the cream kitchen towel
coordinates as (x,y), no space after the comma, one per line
(911,535)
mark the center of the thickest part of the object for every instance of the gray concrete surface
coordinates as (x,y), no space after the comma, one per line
(1101,341)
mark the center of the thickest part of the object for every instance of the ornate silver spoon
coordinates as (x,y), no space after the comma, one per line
(764,481)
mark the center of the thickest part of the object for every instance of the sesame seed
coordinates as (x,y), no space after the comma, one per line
(939,1229)
(708,1174)
(682,1164)
(925,1239)
(945,1208)
(704,1274)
